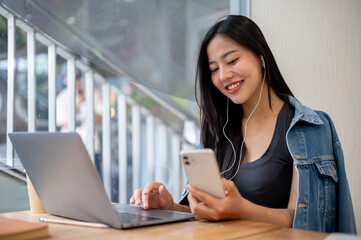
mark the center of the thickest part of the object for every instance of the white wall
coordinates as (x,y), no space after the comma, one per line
(317,45)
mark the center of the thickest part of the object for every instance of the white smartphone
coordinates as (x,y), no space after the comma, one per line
(202,171)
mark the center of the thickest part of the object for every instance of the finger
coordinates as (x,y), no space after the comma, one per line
(132,200)
(199,209)
(224,185)
(192,202)
(165,198)
(151,188)
(163,192)
(162,189)
(138,196)
(145,199)
(149,194)
(203,197)
(229,187)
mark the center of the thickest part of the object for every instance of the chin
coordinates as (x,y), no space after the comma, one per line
(237,100)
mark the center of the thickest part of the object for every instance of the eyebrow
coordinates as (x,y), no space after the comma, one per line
(224,55)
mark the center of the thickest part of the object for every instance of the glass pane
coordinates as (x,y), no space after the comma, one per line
(3,86)
(41,76)
(153,42)
(13,190)
(21,88)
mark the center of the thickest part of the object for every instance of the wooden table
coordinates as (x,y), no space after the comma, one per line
(181,230)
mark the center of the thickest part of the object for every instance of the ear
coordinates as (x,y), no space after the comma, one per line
(262,62)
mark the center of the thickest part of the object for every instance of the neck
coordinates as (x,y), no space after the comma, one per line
(263,109)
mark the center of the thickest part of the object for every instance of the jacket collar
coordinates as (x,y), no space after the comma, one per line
(302,112)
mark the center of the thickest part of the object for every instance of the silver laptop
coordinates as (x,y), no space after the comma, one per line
(68,184)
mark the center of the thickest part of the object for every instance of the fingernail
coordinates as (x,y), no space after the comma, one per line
(138,202)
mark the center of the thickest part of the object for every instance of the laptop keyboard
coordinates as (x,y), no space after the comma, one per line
(131,217)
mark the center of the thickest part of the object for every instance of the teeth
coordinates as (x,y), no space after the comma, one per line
(234,85)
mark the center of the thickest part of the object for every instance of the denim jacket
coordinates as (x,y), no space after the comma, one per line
(324,201)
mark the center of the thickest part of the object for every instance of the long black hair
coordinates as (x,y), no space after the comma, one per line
(213,104)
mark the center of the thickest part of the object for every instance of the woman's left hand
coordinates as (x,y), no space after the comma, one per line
(205,206)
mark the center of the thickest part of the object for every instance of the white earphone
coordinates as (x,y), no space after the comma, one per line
(263,63)
(245,128)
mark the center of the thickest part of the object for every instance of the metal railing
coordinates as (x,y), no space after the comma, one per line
(155,143)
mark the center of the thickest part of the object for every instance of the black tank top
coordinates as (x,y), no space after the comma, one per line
(267,180)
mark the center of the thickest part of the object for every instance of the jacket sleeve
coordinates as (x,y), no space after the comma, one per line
(346,218)
(183,199)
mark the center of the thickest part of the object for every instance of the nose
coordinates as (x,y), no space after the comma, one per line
(225,74)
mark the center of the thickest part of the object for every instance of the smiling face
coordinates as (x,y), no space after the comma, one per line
(235,70)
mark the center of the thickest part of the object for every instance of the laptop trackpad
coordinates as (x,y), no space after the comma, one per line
(126,212)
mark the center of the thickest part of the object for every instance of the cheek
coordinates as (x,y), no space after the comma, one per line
(216,82)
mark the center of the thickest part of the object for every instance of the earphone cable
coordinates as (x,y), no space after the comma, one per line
(234,151)
(245,131)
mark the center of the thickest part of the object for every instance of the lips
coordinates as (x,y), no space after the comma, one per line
(233,87)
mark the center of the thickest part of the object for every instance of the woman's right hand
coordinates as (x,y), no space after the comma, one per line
(154,195)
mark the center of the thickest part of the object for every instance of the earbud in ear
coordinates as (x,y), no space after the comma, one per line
(263,63)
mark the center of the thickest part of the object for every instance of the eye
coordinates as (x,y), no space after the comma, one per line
(232,61)
(214,70)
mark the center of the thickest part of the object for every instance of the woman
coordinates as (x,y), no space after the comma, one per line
(282,162)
